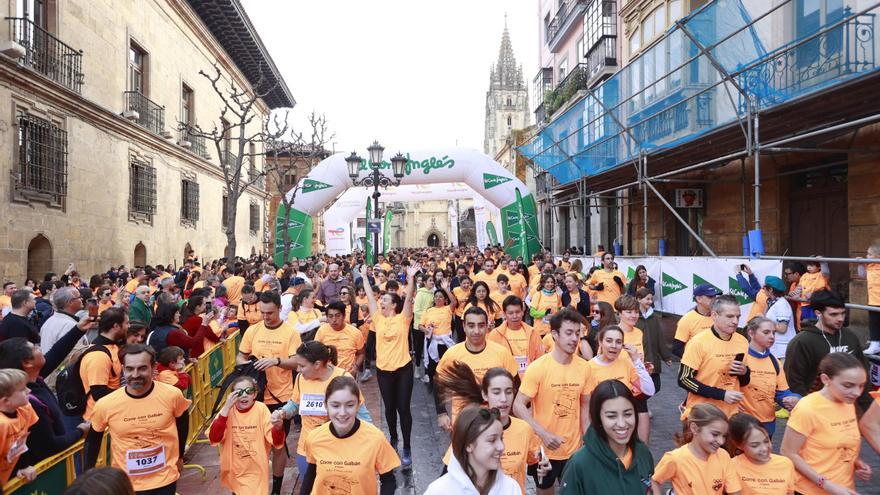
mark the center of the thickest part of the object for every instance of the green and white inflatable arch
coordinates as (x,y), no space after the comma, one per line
(329,180)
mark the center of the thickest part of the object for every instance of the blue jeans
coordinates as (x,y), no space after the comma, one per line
(770,427)
(302,464)
(70,424)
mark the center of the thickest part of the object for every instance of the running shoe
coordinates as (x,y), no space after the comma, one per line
(366,375)
(406,458)
(782,413)
(873,348)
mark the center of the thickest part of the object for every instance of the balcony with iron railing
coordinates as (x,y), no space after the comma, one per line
(144,112)
(601,60)
(570,11)
(192,141)
(574,81)
(46,54)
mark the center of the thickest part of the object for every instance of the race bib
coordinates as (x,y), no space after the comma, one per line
(523,362)
(18,447)
(145,461)
(312,405)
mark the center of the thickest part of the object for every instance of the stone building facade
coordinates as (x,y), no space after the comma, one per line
(91,98)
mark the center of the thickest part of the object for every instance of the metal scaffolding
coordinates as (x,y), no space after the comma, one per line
(757,69)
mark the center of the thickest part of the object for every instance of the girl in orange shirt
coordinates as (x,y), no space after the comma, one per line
(699,466)
(347,453)
(480,297)
(761,472)
(246,432)
(822,436)
(543,303)
(521,444)
(609,364)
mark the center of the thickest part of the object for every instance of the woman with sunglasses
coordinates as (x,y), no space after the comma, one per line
(346,453)
(105,299)
(245,424)
(316,367)
(475,464)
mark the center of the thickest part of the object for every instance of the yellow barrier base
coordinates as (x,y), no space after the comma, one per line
(200,468)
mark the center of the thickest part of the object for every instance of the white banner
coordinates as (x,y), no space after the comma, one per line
(338,240)
(676,277)
(453,225)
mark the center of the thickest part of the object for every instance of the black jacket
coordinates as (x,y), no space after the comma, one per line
(18,326)
(656,348)
(49,435)
(583,307)
(806,350)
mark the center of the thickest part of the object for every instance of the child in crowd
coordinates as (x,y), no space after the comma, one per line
(172,361)
(872,274)
(699,466)
(812,281)
(17,417)
(246,433)
(760,471)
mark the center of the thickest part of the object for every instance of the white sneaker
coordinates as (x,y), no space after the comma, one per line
(425,378)
(873,347)
(366,375)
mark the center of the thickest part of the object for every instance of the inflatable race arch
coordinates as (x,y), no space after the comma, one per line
(433,170)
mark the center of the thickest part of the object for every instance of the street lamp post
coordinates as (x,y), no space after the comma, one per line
(375,178)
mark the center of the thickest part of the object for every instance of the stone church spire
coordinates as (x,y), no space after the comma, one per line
(506,73)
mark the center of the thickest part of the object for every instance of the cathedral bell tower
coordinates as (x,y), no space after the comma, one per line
(507,101)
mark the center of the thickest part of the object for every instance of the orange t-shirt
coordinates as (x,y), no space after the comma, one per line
(168,376)
(233,286)
(711,357)
(104,306)
(461,296)
(759,307)
(759,396)
(832,440)
(143,433)
(776,476)
(542,302)
(94,369)
(521,448)
(492,356)
(611,291)
(350,464)
(218,331)
(690,324)
(309,397)
(518,285)
(872,272)
(692,476)
(635,338)
(441,318)
(812,282)
(491,280)
(13,438)
(281,342)
(392,341)
(249,312)
(620,369)
(244,450)
(556,391)
(348,342)
(493,315)
(516,341)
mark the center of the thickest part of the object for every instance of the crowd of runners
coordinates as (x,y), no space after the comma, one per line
(541,368)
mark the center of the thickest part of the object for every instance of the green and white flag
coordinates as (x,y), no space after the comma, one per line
(368,244)
(386,232)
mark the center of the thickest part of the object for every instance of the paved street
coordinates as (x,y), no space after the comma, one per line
(429,443)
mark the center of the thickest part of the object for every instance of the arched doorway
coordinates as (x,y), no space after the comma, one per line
(433,240)
(39,257)
(140,255)
(187,251)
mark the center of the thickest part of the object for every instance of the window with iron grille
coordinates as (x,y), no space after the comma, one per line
(224,217)
(41,173)
(189,202)
(255,219)
(141,191)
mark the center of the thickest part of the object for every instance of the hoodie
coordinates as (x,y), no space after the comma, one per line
(455,481)
(596,469)
(807,349)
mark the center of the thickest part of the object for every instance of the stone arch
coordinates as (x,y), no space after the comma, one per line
(39,257)
(489,180)
(140,255)
(434,235)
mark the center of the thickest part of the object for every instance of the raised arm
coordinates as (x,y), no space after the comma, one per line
(453,302)
(410,290)
(371,298)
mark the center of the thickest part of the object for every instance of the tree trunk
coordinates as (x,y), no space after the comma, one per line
(231,242)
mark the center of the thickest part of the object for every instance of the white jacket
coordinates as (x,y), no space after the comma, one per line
(457,482)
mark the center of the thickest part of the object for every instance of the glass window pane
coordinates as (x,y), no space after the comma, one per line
(634,42)
(674,10)
(648,29)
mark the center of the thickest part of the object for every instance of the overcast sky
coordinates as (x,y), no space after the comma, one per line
(410,73)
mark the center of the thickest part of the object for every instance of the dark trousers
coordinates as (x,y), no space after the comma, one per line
(874,325)
(396,389)
(417,344)
(165,490)
(370,350)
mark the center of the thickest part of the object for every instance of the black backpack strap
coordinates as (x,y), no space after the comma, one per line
(775,362)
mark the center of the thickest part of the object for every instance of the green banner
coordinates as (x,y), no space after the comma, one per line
(511,226)
(386,232)
(49,481)
(490,230)
(299,228)
(215,366)
(368,242)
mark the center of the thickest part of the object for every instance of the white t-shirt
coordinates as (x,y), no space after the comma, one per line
(780,312)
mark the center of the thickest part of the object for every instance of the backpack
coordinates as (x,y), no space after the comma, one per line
(69,387)
(240,370)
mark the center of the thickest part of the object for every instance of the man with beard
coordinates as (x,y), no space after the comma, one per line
(148,423)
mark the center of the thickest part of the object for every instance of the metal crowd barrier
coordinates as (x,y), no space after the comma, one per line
(206,375)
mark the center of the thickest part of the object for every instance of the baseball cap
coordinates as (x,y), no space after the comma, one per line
(775,283)
(706,290)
